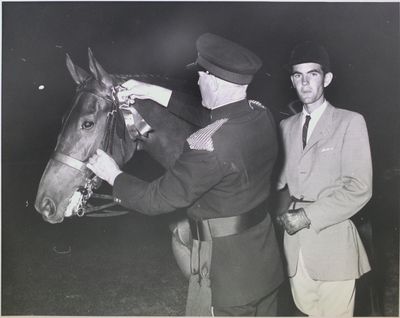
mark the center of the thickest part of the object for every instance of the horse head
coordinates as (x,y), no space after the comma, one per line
(96,120)
(89,125)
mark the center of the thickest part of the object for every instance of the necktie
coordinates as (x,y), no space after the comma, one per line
(305,128)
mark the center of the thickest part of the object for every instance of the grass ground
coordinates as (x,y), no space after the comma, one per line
(117,266)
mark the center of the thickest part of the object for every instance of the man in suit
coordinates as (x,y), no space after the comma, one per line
(328,174)
(222,178)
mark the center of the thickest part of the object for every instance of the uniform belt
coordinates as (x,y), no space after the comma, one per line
(205,230)
(295,200)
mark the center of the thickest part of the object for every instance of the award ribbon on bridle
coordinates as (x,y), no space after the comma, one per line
(134,122)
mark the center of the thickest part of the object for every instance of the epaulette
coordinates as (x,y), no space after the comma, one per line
(256,104)
(202,139)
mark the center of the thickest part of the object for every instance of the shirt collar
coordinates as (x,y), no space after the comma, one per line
(316,113)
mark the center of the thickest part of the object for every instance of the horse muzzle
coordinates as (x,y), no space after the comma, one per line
(47,208)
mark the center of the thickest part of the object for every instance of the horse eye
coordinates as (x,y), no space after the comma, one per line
(87,124)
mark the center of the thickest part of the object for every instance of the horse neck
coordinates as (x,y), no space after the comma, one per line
(122,149)
(165,143)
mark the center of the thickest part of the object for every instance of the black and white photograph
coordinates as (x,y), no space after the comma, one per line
(200,158)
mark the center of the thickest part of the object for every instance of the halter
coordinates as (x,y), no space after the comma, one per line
(136,127)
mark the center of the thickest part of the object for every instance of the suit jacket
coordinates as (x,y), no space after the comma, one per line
(334,170)
(223,171)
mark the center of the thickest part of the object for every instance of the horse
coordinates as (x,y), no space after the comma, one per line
(96,120)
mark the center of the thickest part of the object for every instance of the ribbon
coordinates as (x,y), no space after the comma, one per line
(134,122)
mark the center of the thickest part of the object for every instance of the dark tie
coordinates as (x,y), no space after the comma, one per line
(305,128)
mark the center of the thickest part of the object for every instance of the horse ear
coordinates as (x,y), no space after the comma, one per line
(78,74)
(98,72)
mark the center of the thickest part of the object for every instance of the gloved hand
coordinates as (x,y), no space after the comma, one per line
(294,220)
(133,89)
(104,166)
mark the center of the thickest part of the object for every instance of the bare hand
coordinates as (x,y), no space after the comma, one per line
(104,166)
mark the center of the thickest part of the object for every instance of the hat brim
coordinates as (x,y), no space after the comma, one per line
(241,79)
(289,67)
(194,67)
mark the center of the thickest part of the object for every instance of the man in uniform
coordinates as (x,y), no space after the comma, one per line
(222,178)
(328,173)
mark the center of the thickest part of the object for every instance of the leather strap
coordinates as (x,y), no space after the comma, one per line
(71,162)
(295,200)
(205,230)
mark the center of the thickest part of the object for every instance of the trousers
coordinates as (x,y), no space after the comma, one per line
(322,298)
(198,301)
(266,307)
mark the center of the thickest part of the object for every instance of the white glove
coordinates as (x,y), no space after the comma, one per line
(104,166)
(136,89)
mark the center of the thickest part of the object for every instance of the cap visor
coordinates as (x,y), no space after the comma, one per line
(194,67)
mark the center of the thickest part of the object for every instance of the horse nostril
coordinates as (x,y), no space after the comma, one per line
(48,208)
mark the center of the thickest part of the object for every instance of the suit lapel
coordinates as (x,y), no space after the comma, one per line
(322,129)
(296,138)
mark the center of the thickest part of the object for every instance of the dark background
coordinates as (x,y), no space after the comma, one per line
(158,38)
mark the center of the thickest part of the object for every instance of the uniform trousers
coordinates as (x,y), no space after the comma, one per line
(266,307)
(322,298)
(198,301)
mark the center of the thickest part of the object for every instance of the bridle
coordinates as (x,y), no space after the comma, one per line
(136,127)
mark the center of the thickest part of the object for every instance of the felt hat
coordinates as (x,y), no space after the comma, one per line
(309,52)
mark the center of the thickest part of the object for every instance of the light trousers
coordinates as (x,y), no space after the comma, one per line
(322,298)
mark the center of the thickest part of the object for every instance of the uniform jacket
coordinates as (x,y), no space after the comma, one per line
(335,171)
(223,171)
